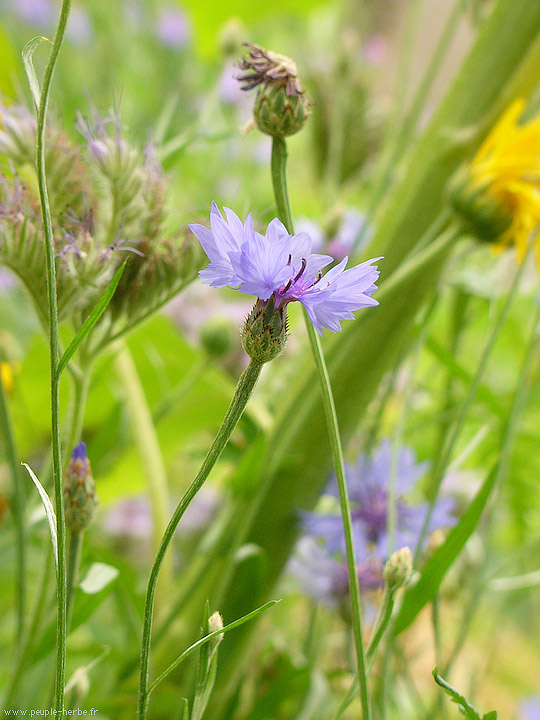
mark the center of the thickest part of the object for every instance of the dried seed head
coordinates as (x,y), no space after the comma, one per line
(281,106)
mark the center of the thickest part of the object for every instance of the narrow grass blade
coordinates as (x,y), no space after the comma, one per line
(27,56)
(436,567)
(207,638)
(49,510)
(91,320)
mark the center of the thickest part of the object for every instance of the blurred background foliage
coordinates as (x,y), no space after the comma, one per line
(168,69)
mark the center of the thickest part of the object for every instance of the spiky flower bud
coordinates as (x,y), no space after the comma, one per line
(478,210)
(281,106)
(398,568)
(80,500)
(265,331)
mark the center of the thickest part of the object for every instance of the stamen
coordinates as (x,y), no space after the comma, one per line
(300,273)
(289,261)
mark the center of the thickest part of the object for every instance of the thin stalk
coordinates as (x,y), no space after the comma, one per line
(279,181)
(61,592)
(454,434)
(146,440)
(397,439)
(18,504)
(73,432)
(74,557)
(384,616)
(243,391)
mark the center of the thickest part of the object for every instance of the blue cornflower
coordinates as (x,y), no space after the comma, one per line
(280,268)
(367,482)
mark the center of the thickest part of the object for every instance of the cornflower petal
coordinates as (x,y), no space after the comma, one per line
(280,267)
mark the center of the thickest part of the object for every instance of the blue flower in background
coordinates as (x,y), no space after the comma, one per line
(321,554)
(281,267)
(530,708)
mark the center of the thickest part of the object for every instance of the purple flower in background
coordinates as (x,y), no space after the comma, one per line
(352,224)
(367,482)
(172,27)
(530,708)
(7,281)
(131,518)
(40,13)
(281,267)
(79,29)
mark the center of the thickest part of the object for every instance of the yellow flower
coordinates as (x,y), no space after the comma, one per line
(504,179)
(6,377)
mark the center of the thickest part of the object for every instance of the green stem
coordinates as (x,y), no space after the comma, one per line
(243,391)
(80,393)
(18,504)
(146,440)
(384,616)
(279,180)
(61,592)
(441,466)
(74,556)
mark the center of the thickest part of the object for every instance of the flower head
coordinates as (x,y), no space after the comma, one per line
(280,268)
(498,195)
(263,66)
(281,106)
(367,483)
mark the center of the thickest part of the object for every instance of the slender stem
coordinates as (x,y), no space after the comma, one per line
(279,180)
(454,434)
(18,504)
(61,592)
(146,440)
(74,556)
(243,391)
(73,432)
(391,518)
(384,616)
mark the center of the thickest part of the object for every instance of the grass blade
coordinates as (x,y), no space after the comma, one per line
(91,320)
(49,510)
(435,569)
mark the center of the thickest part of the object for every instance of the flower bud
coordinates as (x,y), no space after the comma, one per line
(478,210)
(217,337)
(215,622)
(398,569)
(265,332)
(281,106)
(80,500)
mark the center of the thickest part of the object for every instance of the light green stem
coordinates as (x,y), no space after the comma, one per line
(145,437)
(61,591)
(18,503)
(384,616)
(74,556)
(279,180)
(441,466)
(242,393)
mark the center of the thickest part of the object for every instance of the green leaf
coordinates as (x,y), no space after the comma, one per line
(49,510)
(27,56)
(98,577)
(456,697)
(91,320)
(207,638)
(436,567)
